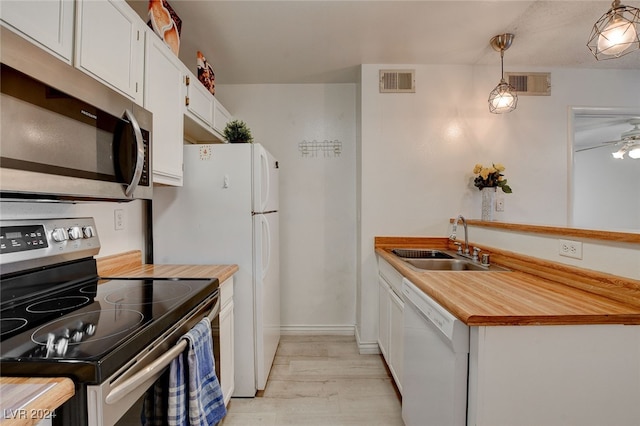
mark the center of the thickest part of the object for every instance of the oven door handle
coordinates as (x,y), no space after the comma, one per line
(155,368)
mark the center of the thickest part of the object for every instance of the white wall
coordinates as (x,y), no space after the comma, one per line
(317,196)
(111,241)
(418,151)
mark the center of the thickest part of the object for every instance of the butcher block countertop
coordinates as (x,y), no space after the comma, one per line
(533,292)
(130,265)
(27,401)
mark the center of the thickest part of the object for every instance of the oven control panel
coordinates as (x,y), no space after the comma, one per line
(32,243)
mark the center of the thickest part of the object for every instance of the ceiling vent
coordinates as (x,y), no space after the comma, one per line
(397,81)
(530,83)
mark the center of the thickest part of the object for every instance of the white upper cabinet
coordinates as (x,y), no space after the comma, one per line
(220,117)
(110,45)
(163,97)
(199,101)
(205,116)
(48,24)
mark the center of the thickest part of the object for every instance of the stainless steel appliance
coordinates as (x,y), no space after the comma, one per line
(113,337)
(55,145)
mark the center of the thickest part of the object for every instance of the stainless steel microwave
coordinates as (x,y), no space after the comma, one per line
(57,146)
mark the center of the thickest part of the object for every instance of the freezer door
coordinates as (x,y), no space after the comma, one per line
(265,180)
(267,293)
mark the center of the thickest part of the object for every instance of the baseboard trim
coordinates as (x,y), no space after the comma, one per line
(330,330)
(366,348)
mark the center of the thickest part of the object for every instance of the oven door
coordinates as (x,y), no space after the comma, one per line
(117,398)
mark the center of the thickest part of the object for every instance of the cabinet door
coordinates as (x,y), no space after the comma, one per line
(48,24)
(110,45)
(199,101)
(396,341)
(163,97)
(383,319)
(220,117)
(227,382)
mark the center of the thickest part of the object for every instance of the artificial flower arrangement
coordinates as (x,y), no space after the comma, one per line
(490,177)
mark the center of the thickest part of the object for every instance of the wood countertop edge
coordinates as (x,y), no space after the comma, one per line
(595,287)
(42,406)
(129,264)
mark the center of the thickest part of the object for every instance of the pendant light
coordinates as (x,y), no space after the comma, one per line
(503,98)
(616,33)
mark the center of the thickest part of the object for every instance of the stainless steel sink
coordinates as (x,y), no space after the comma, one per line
(436,260)
(421,254)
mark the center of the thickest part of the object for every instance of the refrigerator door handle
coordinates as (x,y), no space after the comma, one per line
(265,175)
(267,234)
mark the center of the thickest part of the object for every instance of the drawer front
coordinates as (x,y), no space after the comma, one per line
(389,273)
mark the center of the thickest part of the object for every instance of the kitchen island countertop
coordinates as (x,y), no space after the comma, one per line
(533,292)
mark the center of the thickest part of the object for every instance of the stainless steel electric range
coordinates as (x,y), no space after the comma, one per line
(113,337)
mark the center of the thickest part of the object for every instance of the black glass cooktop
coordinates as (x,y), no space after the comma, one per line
(89,334)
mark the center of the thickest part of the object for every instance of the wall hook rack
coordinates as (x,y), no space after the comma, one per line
(327,148)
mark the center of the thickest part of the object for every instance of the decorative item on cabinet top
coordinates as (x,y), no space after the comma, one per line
(237,131)
(205,74)
(165,23)
(328,148)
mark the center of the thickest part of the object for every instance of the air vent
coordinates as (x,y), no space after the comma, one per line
(397,81)
(530,83)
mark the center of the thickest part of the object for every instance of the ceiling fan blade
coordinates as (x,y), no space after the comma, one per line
(600,145)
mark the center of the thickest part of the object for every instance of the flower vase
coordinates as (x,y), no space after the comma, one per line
(488,203)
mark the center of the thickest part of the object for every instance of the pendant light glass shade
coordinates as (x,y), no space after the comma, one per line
(503,98)
(616,33)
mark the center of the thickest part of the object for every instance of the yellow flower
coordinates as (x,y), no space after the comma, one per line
(477,168)
(499,167)
(485,172)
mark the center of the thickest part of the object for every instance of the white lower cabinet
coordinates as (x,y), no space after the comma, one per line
(227,381)
(383,318)
(163,97)
(46,23)
(390,321)
(557,375)
(396,332)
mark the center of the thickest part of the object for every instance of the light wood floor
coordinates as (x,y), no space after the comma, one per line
(321,381)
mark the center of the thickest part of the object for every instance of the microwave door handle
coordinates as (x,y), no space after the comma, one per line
(137,173)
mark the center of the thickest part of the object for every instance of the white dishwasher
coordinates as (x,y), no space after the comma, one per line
(436,359)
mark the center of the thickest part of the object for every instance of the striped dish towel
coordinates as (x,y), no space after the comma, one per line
(195,396)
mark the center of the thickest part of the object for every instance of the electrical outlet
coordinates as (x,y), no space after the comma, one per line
(500,204)
(118,219)
(570,248)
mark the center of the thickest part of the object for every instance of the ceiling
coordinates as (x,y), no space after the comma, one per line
(305,41)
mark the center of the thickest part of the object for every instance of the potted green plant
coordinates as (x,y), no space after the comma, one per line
(236,131)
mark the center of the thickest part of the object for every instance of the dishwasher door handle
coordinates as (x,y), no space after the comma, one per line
(156,367)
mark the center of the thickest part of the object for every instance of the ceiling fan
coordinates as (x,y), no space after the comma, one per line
(629,142)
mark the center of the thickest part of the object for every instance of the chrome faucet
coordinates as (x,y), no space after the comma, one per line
(453,235)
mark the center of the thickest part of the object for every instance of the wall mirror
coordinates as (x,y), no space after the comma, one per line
(604,192)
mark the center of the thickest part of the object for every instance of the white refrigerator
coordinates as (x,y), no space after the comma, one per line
(226,212)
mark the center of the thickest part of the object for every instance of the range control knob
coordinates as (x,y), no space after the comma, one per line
(75,233)
(88,231)
(59,235)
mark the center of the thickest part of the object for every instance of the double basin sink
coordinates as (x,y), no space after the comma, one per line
(437,260)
